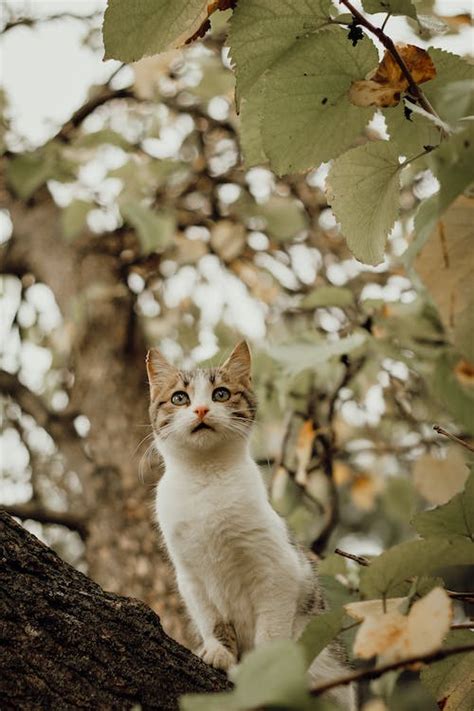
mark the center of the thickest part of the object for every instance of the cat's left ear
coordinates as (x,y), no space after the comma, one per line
(159,371)
(239,363)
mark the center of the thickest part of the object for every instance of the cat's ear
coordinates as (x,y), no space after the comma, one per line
(159,371)
(239,363)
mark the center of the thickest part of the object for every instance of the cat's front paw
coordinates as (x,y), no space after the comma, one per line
(218,656)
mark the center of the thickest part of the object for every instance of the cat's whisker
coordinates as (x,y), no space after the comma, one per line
(150,434)
(145,459)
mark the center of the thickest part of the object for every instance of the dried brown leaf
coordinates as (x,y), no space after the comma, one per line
(385,85)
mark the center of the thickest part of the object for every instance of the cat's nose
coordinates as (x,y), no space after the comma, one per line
(201,411)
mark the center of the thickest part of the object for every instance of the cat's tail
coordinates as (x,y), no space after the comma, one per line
(327,666)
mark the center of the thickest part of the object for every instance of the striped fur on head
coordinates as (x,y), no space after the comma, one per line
(187,422)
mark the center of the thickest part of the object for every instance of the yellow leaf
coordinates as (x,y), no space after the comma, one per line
(385,85)
(341,473)
(368,608)
(365,489)
(464,372)
(446,267)
(304,450)
(374,705)
(438,480)
(393,637)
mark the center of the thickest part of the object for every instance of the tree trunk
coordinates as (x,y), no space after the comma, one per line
(67,644)
(108,361)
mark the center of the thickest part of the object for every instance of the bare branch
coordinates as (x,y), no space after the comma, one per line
(452,437)
(42,515)
(33,21)
(468,625)
(366,674)
(466,596)
(357,558)
(56,424)
(104,95)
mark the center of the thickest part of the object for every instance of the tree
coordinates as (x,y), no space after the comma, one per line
(179,244)
(66,643)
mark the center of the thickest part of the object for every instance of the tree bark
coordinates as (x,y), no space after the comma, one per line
(67,644)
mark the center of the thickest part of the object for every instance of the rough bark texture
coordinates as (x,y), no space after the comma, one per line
(67,644)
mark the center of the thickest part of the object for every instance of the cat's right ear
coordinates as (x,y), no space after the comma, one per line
(159,371)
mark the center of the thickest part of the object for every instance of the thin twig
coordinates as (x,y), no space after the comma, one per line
(452,437)
(363,674)
(32,21)
(357,558)
(466,596)
(47,516)
(389,14)
(388,43)
(463,625)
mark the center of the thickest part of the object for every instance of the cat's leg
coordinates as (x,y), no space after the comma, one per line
(275,613)
(219,644)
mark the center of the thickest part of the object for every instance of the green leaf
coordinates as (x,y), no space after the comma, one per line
(99,138)
(454,518)
(449,392)
(332,564)
(452,164)
(135,30)
(328,296)
(28,172)
(398,499)
(281,217)
(274,674)
(307,117)
(155,230)
(74,217)
(296,357)
(251,109)
(263,33)
(450,68)
(319,632)
(451,680)
(456,99)
(410,135)
(364,195)
(395,7)
(449,92)
(383,576)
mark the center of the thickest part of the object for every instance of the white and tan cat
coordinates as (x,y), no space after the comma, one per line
(242,580)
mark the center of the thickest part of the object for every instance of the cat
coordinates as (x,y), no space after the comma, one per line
(242,580)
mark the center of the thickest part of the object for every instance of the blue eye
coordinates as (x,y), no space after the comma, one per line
(180,398)
(221,395)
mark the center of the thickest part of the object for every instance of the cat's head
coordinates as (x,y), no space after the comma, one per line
(201,408)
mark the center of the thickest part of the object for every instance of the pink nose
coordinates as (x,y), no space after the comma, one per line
(201,411)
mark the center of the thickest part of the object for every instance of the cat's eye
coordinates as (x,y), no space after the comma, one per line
(221,395)
(180,398)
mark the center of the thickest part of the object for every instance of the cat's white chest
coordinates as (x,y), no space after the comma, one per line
(193,517)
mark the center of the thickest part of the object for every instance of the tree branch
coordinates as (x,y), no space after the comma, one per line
(68,644)
(388,43)
(452,437)
(33,21)
(42,515)
(357,558)
(366,674)
(56,424)
(104,95)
